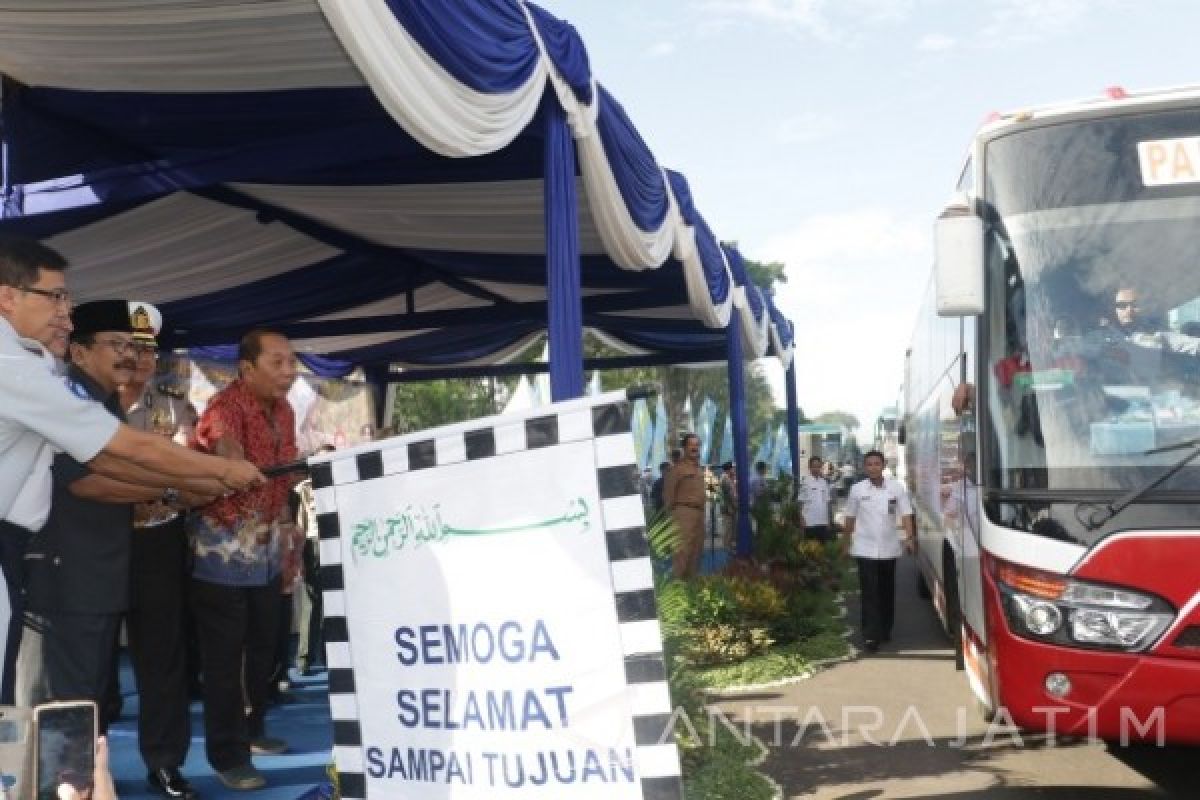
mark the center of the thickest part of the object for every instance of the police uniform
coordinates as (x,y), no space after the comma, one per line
(157,620)
(77,567)
(683,494)
(37,416)
(876,511)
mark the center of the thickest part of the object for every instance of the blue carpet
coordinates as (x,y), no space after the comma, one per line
(304,724)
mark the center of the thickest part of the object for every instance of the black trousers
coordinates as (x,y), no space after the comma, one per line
(13,541)
(77,652)
(236,627)
(877,579)
(819,533)
(156,624)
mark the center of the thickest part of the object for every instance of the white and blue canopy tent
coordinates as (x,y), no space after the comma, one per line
(407,183)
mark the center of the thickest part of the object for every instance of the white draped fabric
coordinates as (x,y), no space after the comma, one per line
(177,46)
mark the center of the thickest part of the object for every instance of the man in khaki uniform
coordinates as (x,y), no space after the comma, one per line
(683,494)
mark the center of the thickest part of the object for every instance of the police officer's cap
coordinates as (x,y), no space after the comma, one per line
(98,316)
(146,321)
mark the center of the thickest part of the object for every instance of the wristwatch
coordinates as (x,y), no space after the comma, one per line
(170,496)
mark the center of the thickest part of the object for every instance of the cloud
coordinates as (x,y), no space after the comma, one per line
(805,128)
(855,281)
(661,49)
(825,20)
(1028,21)
(936,43)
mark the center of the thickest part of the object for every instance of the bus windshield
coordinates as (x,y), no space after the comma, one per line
(1093,330)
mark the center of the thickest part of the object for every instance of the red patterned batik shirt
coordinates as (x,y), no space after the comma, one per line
(235,540)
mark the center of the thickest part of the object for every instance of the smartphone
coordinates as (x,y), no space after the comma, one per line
(65,749)
(16,751)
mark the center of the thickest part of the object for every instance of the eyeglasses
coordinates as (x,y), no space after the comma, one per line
(60,297)
(1124,304)
(143,349)
(122,347)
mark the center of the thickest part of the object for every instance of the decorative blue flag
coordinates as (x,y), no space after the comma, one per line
(658,451)
(727,442)
(643,432)
(765,447)
(704,428)
(782,455)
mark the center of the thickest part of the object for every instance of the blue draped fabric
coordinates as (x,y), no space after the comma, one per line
(793,430)
(741,449)
(637,173)
(320,366)
(783,326)
(566,50)
(484,44)
(715,275)
(564,305)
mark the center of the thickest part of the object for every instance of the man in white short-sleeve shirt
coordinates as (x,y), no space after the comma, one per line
(873,508)
(815,495)
(38,412)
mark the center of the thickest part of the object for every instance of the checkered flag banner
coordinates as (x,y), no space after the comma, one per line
(491,628)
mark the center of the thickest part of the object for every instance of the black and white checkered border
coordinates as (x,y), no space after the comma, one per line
(608,425)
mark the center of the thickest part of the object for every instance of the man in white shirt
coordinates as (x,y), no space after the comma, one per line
(815,495)
(38,413)
(872,509)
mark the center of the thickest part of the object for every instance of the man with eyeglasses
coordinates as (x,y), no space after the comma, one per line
(38,416)
(78,566)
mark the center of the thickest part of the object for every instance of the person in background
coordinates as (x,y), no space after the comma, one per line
(729,507)
(157,621)
(656,491)
(873,508)
(816,496)
(684,496)
(758,483)
(310,648)
(237,546)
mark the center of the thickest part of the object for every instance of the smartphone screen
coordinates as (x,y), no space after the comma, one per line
(66,749)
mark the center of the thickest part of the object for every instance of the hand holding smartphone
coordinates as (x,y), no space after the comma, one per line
(65,750)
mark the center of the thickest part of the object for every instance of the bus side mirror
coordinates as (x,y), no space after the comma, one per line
(958,261)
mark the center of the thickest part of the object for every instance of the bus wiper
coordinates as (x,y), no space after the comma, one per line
(1101,514)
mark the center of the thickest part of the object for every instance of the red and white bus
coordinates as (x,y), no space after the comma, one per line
(1052,417)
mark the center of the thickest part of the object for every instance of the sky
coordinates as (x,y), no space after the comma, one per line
(828,134)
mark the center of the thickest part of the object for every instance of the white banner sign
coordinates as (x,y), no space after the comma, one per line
(491,625)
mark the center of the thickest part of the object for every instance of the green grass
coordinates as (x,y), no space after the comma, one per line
(783,661)
(721,772)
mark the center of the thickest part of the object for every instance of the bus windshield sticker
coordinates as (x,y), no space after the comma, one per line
(1165,162)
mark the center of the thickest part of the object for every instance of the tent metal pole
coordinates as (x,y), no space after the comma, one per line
(563,293)
(741,450)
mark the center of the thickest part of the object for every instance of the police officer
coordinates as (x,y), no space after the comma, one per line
(683,494)
(872,508)
(157,621)
(37,415)
(815,494)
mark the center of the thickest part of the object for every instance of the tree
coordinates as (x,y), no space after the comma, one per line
(431,403)
(843,418)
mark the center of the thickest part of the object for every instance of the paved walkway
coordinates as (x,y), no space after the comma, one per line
(902,724)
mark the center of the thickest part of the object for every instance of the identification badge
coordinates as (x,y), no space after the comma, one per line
(891,505)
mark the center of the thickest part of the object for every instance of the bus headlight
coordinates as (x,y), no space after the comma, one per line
(1129,630)
(1037,603)
(1039,616)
